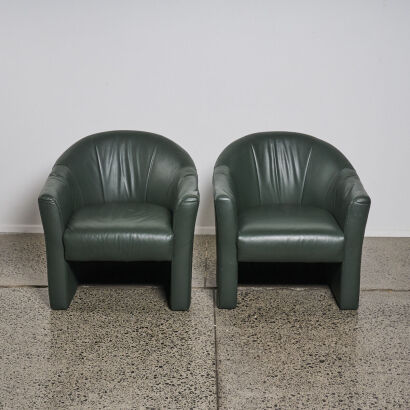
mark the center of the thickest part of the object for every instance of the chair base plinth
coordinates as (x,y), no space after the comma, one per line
(225,304)
(181,277)
(227,295)
(178,306)
(345,288)
(227,280)
(61,291)
(343,281)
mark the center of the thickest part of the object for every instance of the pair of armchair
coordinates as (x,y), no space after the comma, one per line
(133,196)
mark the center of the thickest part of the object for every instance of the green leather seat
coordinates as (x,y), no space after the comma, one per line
(289,233)
(117,231)
(288,197)
(120,196)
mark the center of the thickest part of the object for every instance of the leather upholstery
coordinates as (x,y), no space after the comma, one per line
(119,231)
(289,233)
(282,196)
(120,195)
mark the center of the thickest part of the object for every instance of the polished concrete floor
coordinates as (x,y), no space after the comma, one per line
(285,346)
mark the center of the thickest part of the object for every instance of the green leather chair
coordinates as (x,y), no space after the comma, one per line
(288,197)
(120,196)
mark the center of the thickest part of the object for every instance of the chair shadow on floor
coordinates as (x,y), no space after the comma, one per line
(284,274)
(260,274)
(124,274)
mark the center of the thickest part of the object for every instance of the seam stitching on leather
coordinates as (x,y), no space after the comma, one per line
(304,176)
(149,171)
(99,170)
(257,173)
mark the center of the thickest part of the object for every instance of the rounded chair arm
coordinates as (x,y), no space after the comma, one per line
(346,195)
(186,188)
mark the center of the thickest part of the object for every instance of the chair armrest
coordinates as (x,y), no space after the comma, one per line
(226,212)
(223,184)
(349,204)
(348,200)
(185,209)
(57,199)
(186,189)
(226,218)
(185,203)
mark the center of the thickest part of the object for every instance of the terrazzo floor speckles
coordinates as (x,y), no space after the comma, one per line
(113,348)
(211,262)
(286,348)
(121,346)
(22,260)
(199,258)
(386,263)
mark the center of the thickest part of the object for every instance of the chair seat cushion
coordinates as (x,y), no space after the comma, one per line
(125,231)
(287,233)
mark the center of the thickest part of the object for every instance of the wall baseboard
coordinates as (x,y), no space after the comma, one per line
(205,230)
(21,228)
(399,233)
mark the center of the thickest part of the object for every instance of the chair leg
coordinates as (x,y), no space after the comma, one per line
(62,285)
(227,279)
(181,276)
(345,285)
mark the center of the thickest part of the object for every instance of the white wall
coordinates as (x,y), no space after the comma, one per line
(205,73)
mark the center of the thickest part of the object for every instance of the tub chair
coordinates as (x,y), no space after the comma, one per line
(288,197)
(120,196)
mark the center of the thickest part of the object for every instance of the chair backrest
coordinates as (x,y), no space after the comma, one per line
(282,168)
(118,166)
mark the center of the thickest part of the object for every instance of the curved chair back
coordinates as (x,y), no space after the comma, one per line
(281,168)
(118,166)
